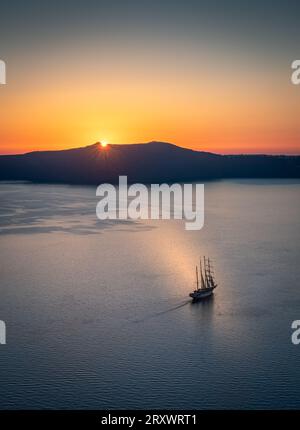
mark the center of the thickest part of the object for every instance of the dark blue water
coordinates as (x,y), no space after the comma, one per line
(98,314)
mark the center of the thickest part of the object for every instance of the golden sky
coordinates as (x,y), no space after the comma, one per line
(196,90)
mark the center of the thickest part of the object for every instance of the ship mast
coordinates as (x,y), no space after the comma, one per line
(211,279)
(205,273)
(201,273)
(208,272)
(197,279)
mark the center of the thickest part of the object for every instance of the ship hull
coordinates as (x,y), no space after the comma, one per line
(201,293)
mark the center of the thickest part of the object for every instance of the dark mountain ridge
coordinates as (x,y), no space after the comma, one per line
(153,162)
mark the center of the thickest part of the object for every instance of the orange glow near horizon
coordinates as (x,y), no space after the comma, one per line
(189,107)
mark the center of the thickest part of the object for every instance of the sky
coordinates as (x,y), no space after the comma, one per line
(207,75)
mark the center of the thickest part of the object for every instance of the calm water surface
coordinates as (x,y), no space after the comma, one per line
(98,314)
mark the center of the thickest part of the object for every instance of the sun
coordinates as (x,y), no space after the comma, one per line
(104,143)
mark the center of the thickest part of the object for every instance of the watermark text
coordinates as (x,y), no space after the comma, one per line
(156,201)
(295,78)
(2,72)
(2,333)
(296,334)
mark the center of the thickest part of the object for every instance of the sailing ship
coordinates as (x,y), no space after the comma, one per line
(206,284)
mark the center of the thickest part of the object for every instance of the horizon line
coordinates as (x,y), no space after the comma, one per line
(278,154)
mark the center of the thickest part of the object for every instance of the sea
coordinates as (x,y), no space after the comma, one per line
(98,314)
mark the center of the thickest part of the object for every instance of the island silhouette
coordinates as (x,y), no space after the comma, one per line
(152,162)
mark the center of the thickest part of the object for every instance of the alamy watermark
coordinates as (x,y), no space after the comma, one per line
(2,333)
(156,201)
(295,78)
(2,72)
(295,338)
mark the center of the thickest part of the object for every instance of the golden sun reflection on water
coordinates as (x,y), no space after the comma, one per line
(175,255)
